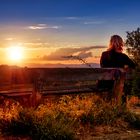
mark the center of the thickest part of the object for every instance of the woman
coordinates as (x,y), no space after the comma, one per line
(113,57)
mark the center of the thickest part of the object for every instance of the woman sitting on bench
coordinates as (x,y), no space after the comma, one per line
(113,57)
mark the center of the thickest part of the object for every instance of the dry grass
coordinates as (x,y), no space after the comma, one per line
(67,116)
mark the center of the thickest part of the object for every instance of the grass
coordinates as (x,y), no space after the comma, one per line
(64,118)
(45,127)
(132,119)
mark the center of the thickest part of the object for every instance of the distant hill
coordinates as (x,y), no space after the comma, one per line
(59,65)
(22,75)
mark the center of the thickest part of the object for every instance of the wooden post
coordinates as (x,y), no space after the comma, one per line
(119,77)
(35,98)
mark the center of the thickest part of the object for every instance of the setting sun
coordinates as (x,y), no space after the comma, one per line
(15,53)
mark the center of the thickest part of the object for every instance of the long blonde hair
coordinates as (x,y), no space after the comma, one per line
(116,43)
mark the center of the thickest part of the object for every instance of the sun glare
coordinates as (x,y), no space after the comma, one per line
(15,53)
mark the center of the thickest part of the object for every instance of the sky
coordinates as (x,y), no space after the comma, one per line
(50,30)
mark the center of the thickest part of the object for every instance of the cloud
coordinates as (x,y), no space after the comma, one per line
(43,43)
(87,20)
(85,55)
(36,44)
(36,27)
(73,18)
(42,26)
(9,39)
(63,54)
(93,22)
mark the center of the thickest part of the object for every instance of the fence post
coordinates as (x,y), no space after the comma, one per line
(118,89)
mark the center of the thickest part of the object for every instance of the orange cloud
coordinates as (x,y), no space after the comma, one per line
(63,53)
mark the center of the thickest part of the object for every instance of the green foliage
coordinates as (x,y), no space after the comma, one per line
(133,45)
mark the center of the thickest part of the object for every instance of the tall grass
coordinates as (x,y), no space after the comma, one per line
(38,128)
(63,118)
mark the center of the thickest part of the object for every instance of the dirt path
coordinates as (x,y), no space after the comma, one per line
(129,135)
(117,134)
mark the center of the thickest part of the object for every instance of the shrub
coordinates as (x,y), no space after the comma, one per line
(46,127)
(20,125)
(50,128)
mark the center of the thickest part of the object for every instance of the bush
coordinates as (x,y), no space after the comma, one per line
(50,128)
(46,127)
(20,125)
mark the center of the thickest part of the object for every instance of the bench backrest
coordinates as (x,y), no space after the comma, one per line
(59,78)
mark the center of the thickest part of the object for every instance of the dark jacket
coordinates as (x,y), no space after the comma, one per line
(112,59)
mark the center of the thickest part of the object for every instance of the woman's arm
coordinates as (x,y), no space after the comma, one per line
(129,62)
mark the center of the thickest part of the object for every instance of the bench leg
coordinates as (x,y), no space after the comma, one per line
(35,99)
(118,90)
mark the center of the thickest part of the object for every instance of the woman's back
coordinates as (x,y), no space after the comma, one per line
(113,59)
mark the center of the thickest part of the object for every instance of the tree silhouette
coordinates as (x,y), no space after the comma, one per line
(133,45)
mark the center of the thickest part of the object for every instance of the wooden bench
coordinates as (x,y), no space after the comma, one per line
(63,81)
